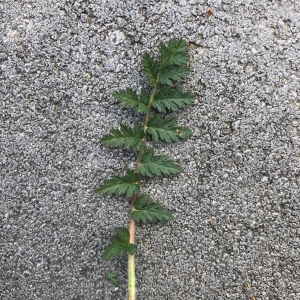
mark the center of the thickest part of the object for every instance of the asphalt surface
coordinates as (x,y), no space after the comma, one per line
(236,204)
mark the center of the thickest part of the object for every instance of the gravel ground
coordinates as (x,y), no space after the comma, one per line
(236,205)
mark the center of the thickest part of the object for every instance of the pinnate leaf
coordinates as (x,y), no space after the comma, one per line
(171,99)
(130,137)
(150,68)
(149,212)
(174,73)
(126,185)
(130,99)
(151,165)
(120,245)
(166,130)
(174,52)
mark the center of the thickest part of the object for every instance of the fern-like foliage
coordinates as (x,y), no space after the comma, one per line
(174,73)
(165,130)
(130,137)
(171,67)
(126,185)
(174,52)
(149,212)
(164,74)
(130,99)
(150,68)
(120,245)
(151,165)
(171,99)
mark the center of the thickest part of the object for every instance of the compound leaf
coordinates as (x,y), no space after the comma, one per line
(171,99)
(174,52)
(120,244)
(113,279)
(166,130)
(126,185)
(130,137)
(173,73)
(130,99)
(150,68)
(151,165)
(149,212)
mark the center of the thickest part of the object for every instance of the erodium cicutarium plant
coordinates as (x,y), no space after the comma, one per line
(164,75)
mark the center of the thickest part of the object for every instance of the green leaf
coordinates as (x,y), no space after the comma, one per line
(166,130)
(113,279)
(144,98)
(173,73)
(151,165)
(141,201)
(126,185)
(132,248)
(149,212)
(171,99)
(150,68)
(174,52)
(130,99)
(120,245)
(130,137)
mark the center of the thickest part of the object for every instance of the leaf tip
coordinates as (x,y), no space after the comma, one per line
(113,279)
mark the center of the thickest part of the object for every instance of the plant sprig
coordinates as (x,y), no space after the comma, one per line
(163,75)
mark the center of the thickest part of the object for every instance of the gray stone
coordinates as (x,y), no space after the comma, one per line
(236,229)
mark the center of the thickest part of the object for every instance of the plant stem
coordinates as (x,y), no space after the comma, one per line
(131,258)
(131,277)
